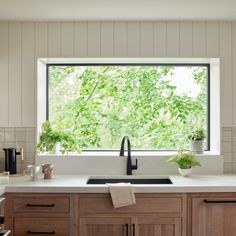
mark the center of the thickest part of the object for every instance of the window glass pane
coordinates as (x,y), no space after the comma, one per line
(157,106)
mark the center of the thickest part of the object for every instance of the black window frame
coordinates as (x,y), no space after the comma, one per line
(207,65)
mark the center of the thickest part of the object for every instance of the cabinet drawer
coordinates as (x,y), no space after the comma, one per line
(41,204)
(41,226)
(143,204)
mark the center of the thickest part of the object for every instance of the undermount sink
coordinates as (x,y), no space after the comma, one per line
(129,180)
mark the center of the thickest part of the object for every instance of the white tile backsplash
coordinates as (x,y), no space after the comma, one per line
(25,137)
(18,137)
(9,136)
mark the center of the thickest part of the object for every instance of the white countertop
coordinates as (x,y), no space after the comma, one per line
(77,184)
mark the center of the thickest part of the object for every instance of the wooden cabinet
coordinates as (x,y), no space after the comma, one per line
(94,215)
(133,226)
(152,215)
(152,226)
(104,226)
(38,214)
(41,226)
(213,215)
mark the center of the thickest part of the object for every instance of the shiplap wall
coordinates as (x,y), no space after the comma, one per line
(21,43)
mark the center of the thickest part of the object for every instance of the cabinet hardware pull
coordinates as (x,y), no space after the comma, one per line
(38,232)
(127,229)
(220,201)
(38,205)
(133,226)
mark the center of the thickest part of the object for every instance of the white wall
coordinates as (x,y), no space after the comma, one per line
(21,43)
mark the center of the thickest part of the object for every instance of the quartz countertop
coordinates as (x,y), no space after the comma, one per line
(77,184)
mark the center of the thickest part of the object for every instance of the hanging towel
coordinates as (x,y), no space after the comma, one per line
(122,194)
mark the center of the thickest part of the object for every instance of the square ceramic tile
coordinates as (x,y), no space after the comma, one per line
(30,136)
(226,129)
(22,129)
(228,158)
(20,136)
(9,136)
(30,147)
(228,168)
(2,136)
(226,136)
(226,147)
(234,147)
(9,145)
(2,129)
(30,129)
(9,129)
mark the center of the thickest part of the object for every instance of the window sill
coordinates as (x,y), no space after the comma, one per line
(134,154)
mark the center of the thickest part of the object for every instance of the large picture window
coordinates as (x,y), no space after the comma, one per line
(156,105)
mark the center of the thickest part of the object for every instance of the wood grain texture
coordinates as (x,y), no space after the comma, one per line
(60,226)
(104,205)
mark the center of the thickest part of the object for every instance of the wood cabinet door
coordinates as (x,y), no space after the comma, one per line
(213,217)
(153,226)
(102,226)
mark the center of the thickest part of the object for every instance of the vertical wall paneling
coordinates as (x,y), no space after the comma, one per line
(107,39)
(186,39)
(28,73)
(146,39)
(199,39)
(15,74)
(41,36)
(172,39)
(67,39)
(120,39)
(81,39)
(4,73)
(234,69)
(133,43)
(212,39)
(225,41)
(94,39)
(160,39)
(54,39)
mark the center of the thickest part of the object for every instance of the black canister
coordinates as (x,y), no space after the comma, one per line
(10,159)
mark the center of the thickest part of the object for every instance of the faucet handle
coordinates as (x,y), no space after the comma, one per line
(135,167)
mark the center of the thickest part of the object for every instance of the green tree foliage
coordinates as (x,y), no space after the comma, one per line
(98,105)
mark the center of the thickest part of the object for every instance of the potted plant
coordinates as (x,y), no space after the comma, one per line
(185,161)
(196,141)
(49,140)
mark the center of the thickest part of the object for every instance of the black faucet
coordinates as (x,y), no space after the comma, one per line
(130,167)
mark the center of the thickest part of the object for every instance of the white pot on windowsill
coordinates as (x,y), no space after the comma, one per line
(196,146)
(185,172)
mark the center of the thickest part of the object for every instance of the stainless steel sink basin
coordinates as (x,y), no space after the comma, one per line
(129,180)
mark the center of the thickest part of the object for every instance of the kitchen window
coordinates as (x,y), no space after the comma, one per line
(156,104)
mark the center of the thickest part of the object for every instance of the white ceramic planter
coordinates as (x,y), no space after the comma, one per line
(58,148)
(196,146)
(185,172)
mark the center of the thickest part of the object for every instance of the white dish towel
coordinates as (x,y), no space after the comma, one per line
(122,194)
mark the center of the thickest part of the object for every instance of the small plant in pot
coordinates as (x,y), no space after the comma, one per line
(49,140)
(185,161)
(196,141)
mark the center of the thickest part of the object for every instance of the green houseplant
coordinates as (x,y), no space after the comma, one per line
(49,139)
(196,140)
(185,161)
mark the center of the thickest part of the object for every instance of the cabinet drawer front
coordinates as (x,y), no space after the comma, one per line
(41,204)
(104,205)
(41,226)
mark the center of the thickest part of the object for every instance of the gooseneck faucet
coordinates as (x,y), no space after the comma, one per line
(130,167)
